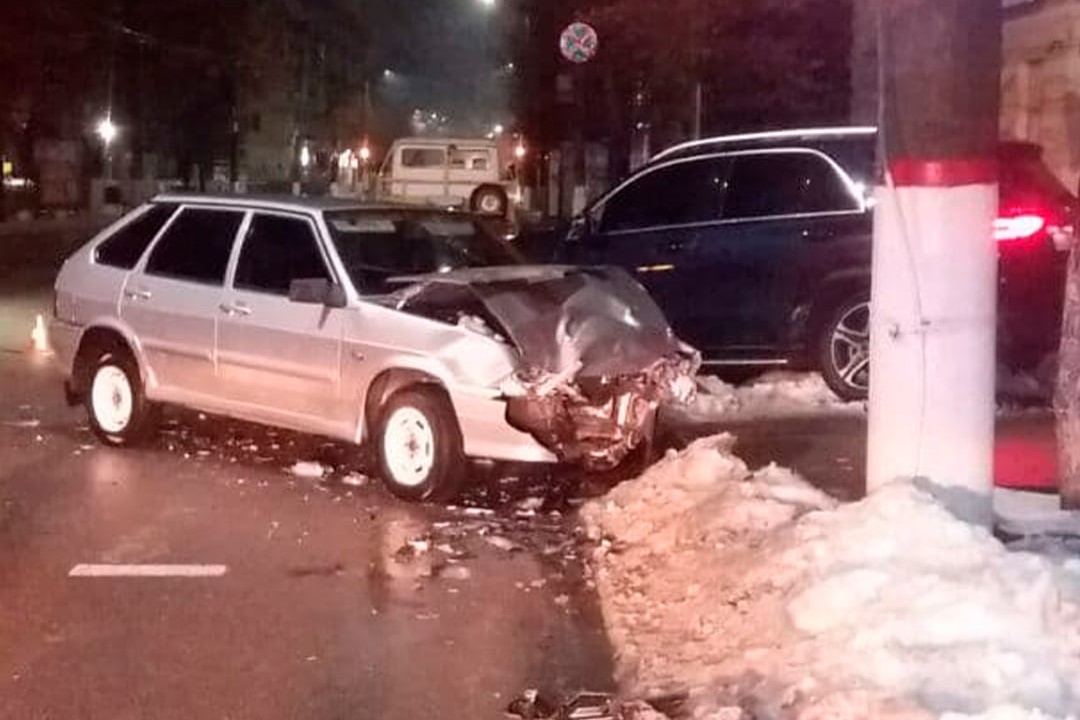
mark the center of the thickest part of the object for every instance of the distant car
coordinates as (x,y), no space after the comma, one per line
(407,328)
(474,174)
(757,247)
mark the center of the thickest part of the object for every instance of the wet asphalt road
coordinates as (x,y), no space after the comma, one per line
(325,611)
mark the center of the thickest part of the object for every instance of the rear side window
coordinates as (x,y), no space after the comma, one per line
(687,192)
(791,183)
(277,251)
(422,157)
(196,246)
(123,248)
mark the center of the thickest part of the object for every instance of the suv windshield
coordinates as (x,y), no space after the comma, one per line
(378,245)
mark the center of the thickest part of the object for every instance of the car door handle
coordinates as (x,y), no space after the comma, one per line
(235,309)
(139,294)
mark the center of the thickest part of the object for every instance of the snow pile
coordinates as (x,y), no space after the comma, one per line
(772,394)
(755,590)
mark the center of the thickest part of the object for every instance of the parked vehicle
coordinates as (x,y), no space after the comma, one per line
(474,174)
(757,247)
(407,328)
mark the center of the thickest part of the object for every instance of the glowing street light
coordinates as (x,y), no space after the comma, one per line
(520,151)
(365,153)
(107,130)
(488,3)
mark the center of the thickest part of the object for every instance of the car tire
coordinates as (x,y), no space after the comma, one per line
(116,404)
(843,347)
(419,446)
(489,200)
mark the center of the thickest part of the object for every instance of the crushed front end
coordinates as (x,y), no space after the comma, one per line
(597,357)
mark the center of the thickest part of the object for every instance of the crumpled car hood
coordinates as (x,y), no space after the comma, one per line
(587,321)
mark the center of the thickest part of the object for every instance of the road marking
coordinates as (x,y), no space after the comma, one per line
(155,571)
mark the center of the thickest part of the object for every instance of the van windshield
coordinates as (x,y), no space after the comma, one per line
(378,245)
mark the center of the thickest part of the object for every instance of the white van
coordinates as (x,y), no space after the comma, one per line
(476,174)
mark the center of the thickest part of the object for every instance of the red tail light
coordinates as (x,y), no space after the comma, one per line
(1018,227)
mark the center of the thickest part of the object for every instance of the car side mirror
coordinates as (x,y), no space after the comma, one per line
(317,291)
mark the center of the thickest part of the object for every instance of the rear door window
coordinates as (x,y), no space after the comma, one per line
(785,183)
(680,194)
(196,246)
(278,250)
(126,246)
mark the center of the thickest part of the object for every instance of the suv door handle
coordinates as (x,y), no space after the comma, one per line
(235,309)
(139,294)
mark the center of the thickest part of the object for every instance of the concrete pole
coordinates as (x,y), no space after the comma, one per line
(933,303)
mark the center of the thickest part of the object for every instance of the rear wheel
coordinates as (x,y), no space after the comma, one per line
(419,446)
(119,413)
(489,200)
(844,348)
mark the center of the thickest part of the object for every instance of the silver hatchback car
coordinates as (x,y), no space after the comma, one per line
(410,330)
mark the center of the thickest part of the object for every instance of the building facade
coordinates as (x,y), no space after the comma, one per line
(1040,81)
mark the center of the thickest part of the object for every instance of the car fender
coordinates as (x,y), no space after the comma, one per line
(118,326)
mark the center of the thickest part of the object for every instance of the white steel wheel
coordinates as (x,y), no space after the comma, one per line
(419,445)
(119,413)
(409,446)
(112,399)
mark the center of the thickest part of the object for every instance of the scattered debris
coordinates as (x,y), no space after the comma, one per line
(502,543)
(562,600)
(454,572)
(530,705)
(29,423)
(311,470)
(355,479)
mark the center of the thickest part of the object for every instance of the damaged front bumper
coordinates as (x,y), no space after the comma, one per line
(598,423)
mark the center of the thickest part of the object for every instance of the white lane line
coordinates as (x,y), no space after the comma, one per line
(153,571)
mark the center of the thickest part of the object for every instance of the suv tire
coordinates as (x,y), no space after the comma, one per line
(843,347)
(419,446)
(489,200)
(119,413)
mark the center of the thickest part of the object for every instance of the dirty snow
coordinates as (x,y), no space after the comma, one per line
(754,589)
(772,394)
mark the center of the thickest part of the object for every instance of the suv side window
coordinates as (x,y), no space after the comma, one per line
(679,194)
(414,157)
(785,183)
(123,248)
(278,250)
(196,246)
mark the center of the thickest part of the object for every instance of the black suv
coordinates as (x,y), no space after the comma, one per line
(758,248)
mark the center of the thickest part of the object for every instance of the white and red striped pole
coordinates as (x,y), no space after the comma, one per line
(933,303)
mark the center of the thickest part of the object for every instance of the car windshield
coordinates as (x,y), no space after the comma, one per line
(376,246)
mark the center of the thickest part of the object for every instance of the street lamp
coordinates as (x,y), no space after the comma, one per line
(106,130)
(488,3)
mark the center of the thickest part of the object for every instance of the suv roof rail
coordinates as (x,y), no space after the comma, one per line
(768,135)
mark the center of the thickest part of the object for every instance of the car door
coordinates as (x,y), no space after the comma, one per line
(171,301)
(655,226)
(279,360)
(784,212)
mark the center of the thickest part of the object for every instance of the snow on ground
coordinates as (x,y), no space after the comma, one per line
(755,590)
(772,394)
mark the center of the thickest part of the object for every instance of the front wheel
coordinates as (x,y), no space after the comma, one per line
(844,348)
(419,446)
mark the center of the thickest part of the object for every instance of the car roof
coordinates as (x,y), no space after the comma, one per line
(292,202)
(812,137)
(446,141)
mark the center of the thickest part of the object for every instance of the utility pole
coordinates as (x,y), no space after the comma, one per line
(1067,394)
(933,303)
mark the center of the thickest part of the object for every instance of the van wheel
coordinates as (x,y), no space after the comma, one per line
(419,446)
(119,413)
(844,348)
(489,200)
